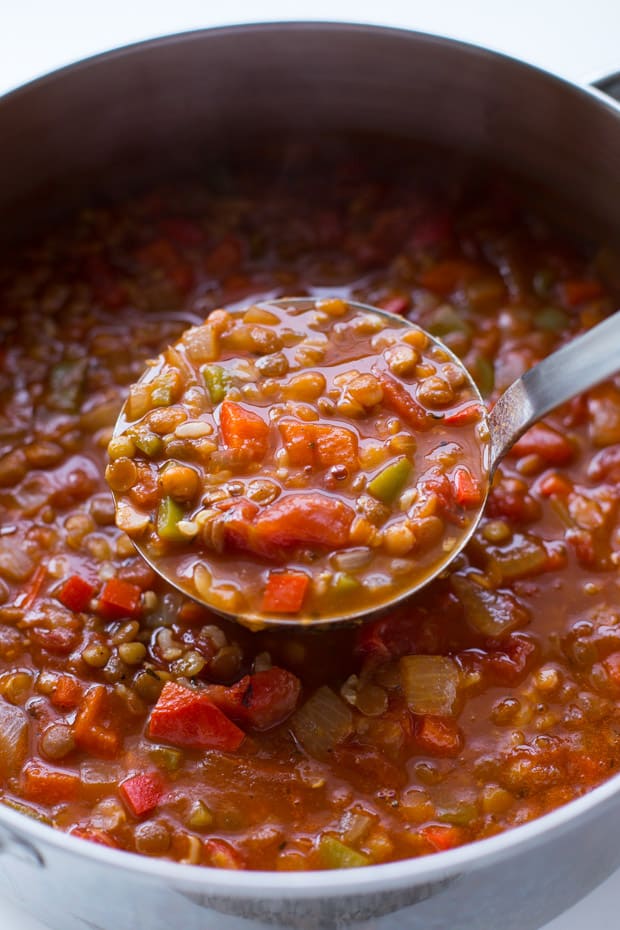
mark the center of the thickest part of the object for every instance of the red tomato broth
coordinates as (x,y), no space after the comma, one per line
(312,460)
(521,714)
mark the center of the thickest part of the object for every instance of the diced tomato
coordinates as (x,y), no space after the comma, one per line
(503,662)
(60,640)
(438,736)
(76,593)
(578,291)
(310,519)
(162,254)
(67,694)
(397,398)
(261,700)
(238,527)
(446,276)
(183,231)
(319,445)
(145,492)
(285,592)
(91,731)
(553,485)
(95,836)
(223,855)
(244,432)
(104,280)
(546,442)
(467,491)
(224,258)
(443,836)
(120,599)
(191,720)
(511,499)
(433,230)
(142,793)
(398,635)
(46,785)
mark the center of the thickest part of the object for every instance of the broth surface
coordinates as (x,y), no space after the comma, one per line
(134,718)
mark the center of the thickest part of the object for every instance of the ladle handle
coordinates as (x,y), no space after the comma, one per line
(574,368)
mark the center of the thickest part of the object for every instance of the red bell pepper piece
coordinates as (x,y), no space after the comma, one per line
(285,592)
(443,836)
(76,593)
(261,700)
(33,589)
(398,304)
(120,599)
(462,416)
(578,291)
(397,398)
(191,720)
(142,793)
(243,431)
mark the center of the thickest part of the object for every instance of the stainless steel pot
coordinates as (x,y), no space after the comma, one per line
(123,115)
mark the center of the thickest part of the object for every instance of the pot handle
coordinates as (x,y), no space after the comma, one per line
(609,84)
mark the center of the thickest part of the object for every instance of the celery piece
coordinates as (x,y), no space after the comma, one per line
(65,387)
(147,442)
(337,855)
(343,583)
(217,382)
(446,320)
(460,813)
(27,810)
(483,374)
(200,817)
(169,514)
(165,389)
(387,485)
(166,758)
(551,319)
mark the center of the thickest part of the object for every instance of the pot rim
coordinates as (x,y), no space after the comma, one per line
(381,877)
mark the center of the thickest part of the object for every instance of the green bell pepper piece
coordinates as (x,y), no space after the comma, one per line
(168,515)
(337,855)
(217,381)
(387,485)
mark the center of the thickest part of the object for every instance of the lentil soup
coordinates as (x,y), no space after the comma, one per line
(343,447)
(133,717)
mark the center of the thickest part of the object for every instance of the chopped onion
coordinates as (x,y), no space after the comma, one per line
(430,684)
(524,556)
(14,736)
(350,559)
(492,613)
(322,722)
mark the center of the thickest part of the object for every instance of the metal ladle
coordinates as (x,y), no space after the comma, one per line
(576,367)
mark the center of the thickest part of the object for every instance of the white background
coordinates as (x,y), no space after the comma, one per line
(579,39)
